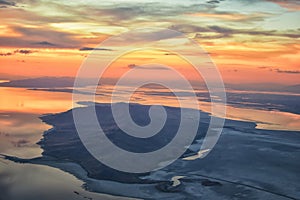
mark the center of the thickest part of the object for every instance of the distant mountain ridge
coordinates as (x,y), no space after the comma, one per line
(267,87)
(45,82)
(56,82)
(293,88)
(41,82)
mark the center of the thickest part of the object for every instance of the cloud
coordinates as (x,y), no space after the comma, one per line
(288,71)
(7,3)
(44,43)
(266,68)
(24,51)
(215,32)
(213,1)
(6,54)
(40,37)
(229,31)
(170,54)
(53,35)
(292,5)
(215,36)
(270,68)
(188,28)
(115,18)
(154,10)
(94,49)
(18,51)
(152,67)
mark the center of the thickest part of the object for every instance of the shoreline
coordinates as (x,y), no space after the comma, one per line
(245,134)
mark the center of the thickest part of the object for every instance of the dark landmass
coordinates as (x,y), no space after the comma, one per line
(63,142)
(41,82)
(265,101)
(53,82)
(246,163)
(45,82)
(267,87)
(293,88)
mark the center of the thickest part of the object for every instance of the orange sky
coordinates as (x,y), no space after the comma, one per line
(253,42)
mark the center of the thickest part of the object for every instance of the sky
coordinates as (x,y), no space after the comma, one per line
(250,41)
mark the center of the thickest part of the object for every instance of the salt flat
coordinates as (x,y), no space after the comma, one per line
(246,163)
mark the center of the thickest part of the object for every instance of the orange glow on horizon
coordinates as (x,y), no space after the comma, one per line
(247,46)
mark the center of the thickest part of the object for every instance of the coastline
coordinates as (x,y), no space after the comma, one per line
(245,134)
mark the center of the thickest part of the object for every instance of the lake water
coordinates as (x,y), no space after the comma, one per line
(21,129)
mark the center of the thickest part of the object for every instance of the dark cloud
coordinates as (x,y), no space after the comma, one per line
(41,32)
(187,28)
(170,54)
(41,37)
(225,32)
(152,67)
(213,1)
(288,71)
(44,43)
(199,35)
(229,31)
(123,12)
(264,67)
(131,66)
(7,3)
(6,54)
(233,70)
(24,51)
(94,49)
(149,36)
(274,69)
(18,51)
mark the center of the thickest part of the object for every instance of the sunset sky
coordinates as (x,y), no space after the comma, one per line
(253,41)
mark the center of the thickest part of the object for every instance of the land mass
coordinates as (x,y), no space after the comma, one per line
(246,163)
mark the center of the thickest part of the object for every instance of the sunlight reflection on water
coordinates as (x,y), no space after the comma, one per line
(30,181)
(21,129)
